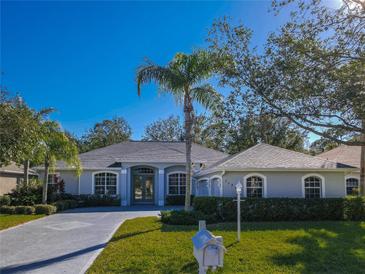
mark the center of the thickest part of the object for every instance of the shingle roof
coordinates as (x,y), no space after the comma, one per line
(349,155)
(14,168)
(264,156)
(145,152)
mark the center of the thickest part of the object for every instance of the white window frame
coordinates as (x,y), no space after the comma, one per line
(220,186)
(323,183)
(264,179)
(178,184)
(357,177)
(104,171)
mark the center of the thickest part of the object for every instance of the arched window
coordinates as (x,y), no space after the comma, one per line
(352,186)
(177,183)
(313,187)
(105,183)
(203,187)
(254,186)
(215,185)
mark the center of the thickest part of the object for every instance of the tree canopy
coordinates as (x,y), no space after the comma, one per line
(106,133)
(169,129)
(240,125)
(20,130)
(311,71)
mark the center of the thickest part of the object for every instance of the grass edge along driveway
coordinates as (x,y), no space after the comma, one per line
(145,245)
(7,221)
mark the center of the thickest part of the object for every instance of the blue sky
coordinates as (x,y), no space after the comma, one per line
(81,57)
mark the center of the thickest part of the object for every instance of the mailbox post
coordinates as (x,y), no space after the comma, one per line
(238,190)
(208,249)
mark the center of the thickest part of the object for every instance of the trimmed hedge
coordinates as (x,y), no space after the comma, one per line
(25,210)
(65,204)
(283,209)
(180,217)
(7,209)
(45,209)
(99,200)
(5,200)
(177,199)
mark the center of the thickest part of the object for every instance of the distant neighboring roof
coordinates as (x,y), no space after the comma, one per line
(145,152)
(14,168)
(264,156)
(349,155)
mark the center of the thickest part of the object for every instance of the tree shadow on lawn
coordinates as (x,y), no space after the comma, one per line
(338,249)
(324,247)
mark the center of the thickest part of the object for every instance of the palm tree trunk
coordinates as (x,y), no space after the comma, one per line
(45,182)
(188,109)
(26,172)
(362,161)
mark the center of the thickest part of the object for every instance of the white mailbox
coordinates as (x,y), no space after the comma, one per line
(208,250)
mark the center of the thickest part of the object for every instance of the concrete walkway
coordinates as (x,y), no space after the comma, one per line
(67,242)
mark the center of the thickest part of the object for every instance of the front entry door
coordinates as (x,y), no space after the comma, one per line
(143,189)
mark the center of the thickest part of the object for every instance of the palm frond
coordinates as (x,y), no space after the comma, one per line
(207,96)
(164,76)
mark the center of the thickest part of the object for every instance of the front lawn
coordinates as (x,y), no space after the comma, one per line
(145,245)
(7,221)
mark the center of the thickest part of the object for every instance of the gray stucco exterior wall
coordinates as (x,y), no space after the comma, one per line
(287,184)
(278,183)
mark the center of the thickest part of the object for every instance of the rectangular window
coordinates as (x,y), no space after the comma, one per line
(105,183)
(177,184)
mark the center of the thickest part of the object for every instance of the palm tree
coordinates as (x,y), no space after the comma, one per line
(183,77)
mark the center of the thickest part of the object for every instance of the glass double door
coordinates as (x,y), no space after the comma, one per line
(142,189)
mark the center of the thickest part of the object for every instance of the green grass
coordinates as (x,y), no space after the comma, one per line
(145,245)
(7,221)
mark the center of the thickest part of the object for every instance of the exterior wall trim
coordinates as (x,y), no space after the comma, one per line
(103,171)
(257,175)
(221,183)
(197,185)
(323,183)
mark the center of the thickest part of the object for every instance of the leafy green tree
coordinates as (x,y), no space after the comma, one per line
(311,71)
(183,78)
(106,133)
(169,129)
(55,146)
(242,124)
(20,131)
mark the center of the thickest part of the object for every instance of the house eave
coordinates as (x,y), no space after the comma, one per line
(340,170)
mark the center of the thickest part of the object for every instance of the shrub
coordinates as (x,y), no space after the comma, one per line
(99,200)
(355,208)
(176,199)
(25,210)
(7,209)
(54,197)
(283,209)
(180,217)
(5,200)
(30,194)
(65,204)
(45,209)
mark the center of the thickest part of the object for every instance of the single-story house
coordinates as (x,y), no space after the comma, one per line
(147,172)
(11,175)
(349,155)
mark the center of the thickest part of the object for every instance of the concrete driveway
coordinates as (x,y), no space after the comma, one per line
(67,242)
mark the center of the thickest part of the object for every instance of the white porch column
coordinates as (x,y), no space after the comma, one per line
(161,187)
(123,187)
